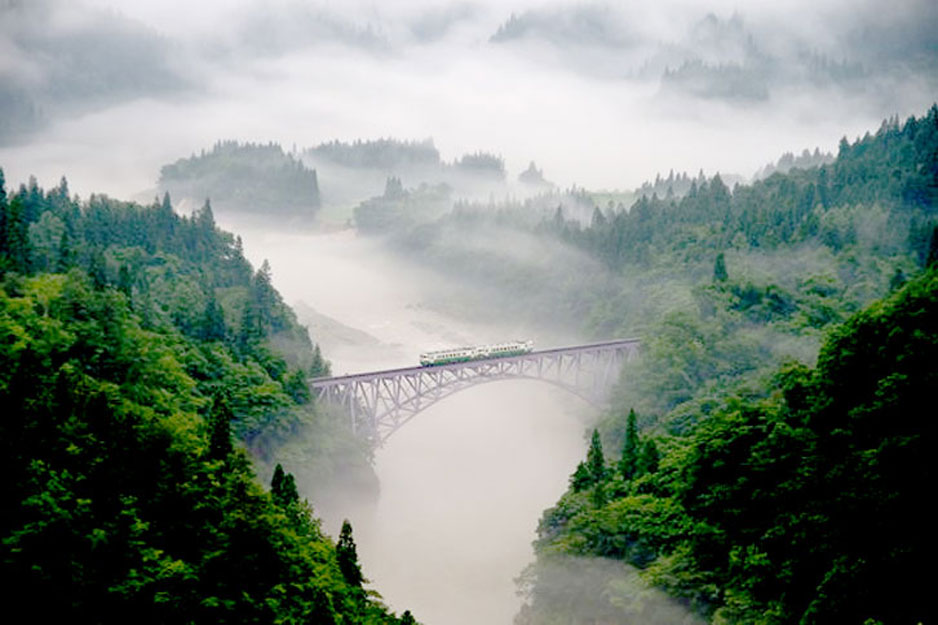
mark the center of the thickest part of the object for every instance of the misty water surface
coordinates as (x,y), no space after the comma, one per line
(464,483)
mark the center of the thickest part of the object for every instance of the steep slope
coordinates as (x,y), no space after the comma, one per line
(139,367)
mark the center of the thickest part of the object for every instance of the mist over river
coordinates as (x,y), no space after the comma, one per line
(464,483)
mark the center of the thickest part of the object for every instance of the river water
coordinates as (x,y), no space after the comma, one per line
(464,483)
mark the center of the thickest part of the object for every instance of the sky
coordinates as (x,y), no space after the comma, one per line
(581,88)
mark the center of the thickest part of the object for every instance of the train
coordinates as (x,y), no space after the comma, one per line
(465,354)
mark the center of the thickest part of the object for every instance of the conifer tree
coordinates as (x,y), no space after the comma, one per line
(347,556)
(283,488)
(124,281)
(319,366)
(581,478)
(598,495)
(630,447)
(648,457)
(932,259)
(297,388)
(65,259)
(719,269)
(213,321)
(595,460)
(219,445)
(17,236)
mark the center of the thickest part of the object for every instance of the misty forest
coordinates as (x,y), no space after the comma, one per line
(521,313)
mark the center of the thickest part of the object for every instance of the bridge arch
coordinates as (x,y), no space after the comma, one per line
(381,402)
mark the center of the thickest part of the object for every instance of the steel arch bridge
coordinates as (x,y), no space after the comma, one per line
(379,403)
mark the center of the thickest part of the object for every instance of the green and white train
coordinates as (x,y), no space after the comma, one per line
(465,354)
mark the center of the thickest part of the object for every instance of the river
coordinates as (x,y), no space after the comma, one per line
(464,483)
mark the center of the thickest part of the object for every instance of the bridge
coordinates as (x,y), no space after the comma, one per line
(379,403)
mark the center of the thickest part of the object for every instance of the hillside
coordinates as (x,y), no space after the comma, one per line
(750,486)
(146,365)
(246,178)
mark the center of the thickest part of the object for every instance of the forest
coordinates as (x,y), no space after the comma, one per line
(753,478)
(763,461)
(246,178)
(149,372)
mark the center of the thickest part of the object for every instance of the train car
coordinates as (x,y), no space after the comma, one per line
(465,354)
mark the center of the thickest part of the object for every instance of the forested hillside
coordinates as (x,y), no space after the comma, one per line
(749,482)
(797,500)
(752,473)
(143,361)
(248,178)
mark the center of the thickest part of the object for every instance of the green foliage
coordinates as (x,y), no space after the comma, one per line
(246,177)
(595,459)
(126,405)
(788,506)
(719,269)
(347,556)
(630,449)
(219,423)
(400,209)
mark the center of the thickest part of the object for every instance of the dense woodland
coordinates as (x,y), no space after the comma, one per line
(143,361)
(248,178)
(763,461)
(752,478)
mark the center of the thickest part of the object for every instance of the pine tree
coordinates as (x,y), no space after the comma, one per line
(296,387)
(719,269)
(581,478)
(219,421)
(124,281)
(66,256)
(213,320)
(319,368)
(347,556)
(630,447)
(648,457)
(16,246)
(598,495)
(932,259)
(595,460)
(276,482)
(283,488)
(97,269)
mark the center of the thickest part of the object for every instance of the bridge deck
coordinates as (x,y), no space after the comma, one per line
(391,373)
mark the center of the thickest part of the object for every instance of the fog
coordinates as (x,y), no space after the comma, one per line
(600,95)
(463,483)
(580,88)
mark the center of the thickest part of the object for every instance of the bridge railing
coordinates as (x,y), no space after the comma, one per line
(380,402)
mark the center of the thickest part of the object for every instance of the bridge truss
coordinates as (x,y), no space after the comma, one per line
(379,403)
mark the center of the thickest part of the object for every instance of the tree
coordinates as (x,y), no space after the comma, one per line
(296,387)
(219,421)
(595,460)
(630,447)
(347,556)
(320,366)
(407,618)
(648,458)
(16,247)
(719,269)
(283,488)
(213,321)
(581,478)
(932,259)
